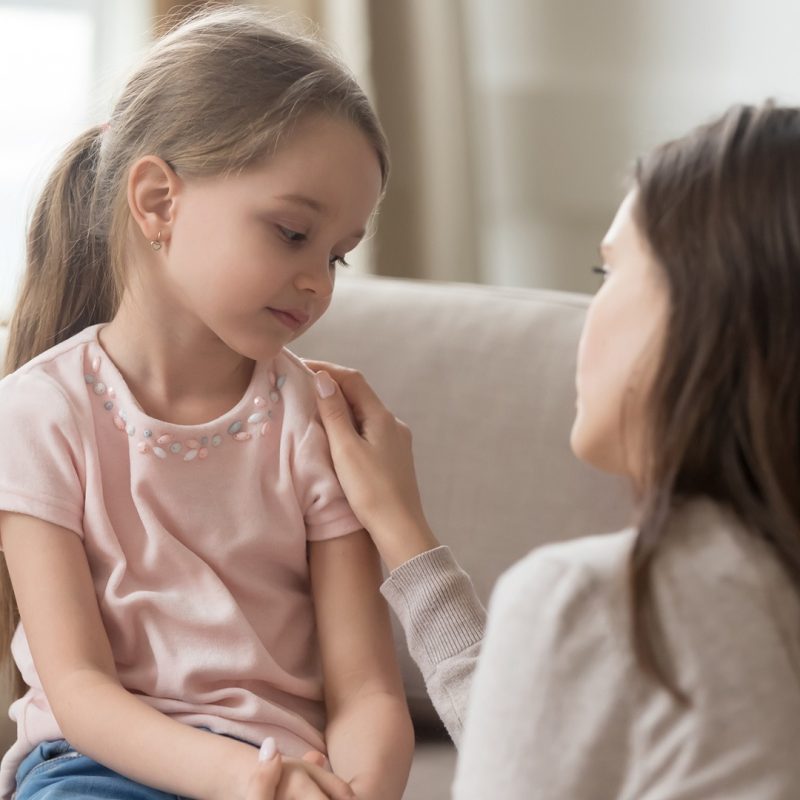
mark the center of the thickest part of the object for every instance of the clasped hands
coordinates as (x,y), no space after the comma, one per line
(280,778)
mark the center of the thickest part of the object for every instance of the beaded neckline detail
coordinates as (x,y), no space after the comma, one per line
(162,444)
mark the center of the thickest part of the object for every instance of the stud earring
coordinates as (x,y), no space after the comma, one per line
(156,243)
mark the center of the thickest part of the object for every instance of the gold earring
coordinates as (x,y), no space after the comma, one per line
(156,243)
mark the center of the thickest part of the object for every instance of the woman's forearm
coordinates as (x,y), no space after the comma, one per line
(370,745)
(105,722)
(444,623)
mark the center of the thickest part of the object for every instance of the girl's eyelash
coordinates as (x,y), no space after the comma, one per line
(290,235)
(602,271)
(295,237)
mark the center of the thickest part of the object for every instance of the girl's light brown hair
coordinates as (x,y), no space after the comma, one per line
(720,209)
(215,95)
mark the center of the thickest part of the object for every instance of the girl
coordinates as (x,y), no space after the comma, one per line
(184,563)
(662,661)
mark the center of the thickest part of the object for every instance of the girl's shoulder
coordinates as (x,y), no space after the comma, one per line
(58,371)
(295,381)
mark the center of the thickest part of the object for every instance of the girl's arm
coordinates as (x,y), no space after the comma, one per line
(434,599)
(369,735)
(58,608)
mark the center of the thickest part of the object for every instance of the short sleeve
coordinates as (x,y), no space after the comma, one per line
(40,467)
(326,511)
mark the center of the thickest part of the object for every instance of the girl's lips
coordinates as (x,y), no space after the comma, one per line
(292,319)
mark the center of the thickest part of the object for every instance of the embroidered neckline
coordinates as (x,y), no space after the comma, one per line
(164,444)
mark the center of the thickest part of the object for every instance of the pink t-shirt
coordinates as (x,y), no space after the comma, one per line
(196,536)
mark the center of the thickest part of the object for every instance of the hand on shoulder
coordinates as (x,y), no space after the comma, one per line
(373,456)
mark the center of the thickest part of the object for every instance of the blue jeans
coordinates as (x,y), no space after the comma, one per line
(54,771)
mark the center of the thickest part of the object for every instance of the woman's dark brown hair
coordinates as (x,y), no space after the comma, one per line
(720,210)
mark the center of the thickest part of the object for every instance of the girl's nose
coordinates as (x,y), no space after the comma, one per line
(316,278)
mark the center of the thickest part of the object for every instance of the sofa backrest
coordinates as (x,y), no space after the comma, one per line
(485,379)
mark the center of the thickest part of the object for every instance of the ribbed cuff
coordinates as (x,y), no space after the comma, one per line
(436,603)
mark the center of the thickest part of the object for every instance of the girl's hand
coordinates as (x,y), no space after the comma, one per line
(371,451)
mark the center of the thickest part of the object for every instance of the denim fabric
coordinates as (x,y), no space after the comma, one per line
(54,771)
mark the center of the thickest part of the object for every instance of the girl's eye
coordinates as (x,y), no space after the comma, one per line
(338,260)
(290,235)
(602,271)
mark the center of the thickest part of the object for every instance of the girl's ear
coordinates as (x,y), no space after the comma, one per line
(152,189)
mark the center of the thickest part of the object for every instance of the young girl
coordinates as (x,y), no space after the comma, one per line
(662,661)
(184,563)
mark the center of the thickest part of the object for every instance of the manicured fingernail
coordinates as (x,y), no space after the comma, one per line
(268,750)
(325,385)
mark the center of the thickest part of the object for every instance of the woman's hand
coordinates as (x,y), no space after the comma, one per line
(264,782)
(371,451)
(278,778)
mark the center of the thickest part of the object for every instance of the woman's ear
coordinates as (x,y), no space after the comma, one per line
(152,189)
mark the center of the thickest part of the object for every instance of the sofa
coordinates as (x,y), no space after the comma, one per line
(485,378)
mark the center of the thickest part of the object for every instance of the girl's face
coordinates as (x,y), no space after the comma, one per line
(619,351)
(252,257)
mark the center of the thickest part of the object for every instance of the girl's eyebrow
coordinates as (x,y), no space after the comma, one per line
(315,205)
(303,200)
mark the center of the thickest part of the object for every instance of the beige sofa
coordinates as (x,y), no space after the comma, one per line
(484,377)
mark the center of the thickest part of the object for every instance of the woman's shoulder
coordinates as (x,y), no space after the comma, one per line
(711,560)
(707,558)
(565,586)
(702,541)
(585,562)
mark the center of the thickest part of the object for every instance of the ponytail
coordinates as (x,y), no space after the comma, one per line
(68,285)
(68,282)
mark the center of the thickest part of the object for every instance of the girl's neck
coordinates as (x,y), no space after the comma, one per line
(178,371)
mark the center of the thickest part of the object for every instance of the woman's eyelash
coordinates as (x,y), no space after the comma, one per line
(602,271)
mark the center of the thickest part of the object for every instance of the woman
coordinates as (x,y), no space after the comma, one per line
(662,661)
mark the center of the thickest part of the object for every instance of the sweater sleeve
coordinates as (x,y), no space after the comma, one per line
(443,621)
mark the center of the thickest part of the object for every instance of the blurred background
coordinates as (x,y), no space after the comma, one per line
(513,123)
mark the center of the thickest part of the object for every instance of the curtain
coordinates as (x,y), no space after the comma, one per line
(419,69)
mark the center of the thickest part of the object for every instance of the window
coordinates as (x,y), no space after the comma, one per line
(62,60)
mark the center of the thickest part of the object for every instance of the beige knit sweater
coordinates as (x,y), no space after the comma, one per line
(558,709)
